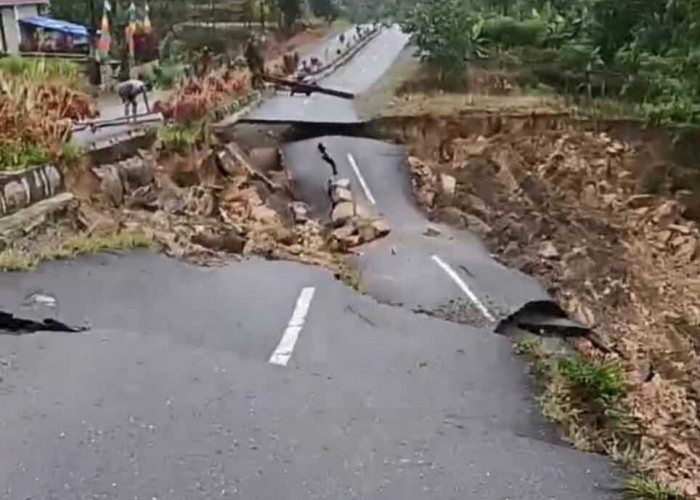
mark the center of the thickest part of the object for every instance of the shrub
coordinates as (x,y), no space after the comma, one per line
(592,381)
(19,155)
(508,32)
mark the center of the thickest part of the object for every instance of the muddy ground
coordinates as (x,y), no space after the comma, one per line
(572,209)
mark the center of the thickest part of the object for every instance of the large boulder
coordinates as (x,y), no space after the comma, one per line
(342,213)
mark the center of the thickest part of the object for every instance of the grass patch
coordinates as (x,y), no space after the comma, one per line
(176,137)
(18,155)
(74,246)
(17,260)
(584,399)
(71,151)
(41,70)
(85,244)
(640,488)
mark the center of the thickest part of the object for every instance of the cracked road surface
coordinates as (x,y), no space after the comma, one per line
(272,380)
(172,395)
(425,273)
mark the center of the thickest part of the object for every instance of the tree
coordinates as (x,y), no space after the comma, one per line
(446,34)
(291,10)
(326,9)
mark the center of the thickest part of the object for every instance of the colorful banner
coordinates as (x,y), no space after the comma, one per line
(104,44)
(131,29)
(147,19)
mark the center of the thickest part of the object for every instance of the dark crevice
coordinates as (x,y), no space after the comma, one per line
(12,325)
(544,317)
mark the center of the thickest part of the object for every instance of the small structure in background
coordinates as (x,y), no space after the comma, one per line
(11,12)
(44,34)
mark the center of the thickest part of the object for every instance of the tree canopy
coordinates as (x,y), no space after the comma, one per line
(643,51)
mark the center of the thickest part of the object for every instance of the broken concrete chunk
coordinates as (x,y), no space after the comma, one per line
(16,196)
(590,195)
(512,249)
(432,232)
(426,198)
(340,182)
(265,159)
(548,250)
(343,232)
(229,242)
(448,184)
(679,228)
(340,194)
(688,251)
(300,211)
(96,223)
(477,206)
(476,225)
(342,213)
(452,216)
(110,184)
(367,233)
(381,227)
(346,237)
(264,214)
(640,200)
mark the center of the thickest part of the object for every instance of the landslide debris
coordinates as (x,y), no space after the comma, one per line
(570,208)
(207,203)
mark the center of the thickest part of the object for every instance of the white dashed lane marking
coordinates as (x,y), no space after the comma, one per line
(464,287)
(291,334)
(358,174)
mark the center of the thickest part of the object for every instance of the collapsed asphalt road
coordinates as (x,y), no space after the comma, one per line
(173,394)
(264,380)
(450,271)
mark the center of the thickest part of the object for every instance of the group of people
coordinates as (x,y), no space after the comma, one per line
(131,90)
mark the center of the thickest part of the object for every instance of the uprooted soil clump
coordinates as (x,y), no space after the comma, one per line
(208,203)
(569,208)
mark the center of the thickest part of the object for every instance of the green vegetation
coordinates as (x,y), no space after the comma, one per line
(167,75)
(79,244)
(17,260)
(43,71)
(70,151)
(447,34)
(19,155)
(584,398)
(640,488)
(642,52)
(326,9)
(593,382)
(177,137)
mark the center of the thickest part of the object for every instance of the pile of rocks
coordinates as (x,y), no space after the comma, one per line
(353,223)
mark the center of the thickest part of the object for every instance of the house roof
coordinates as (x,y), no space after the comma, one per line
(22,2)
(56,25)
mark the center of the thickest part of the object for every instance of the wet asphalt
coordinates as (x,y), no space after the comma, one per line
(355,77)
(401,269)
(171,392)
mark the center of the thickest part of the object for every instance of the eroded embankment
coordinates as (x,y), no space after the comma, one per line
(606,214)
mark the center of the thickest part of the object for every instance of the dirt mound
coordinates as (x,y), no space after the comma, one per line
(568,209)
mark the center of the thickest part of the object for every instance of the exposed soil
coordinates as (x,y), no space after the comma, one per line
(570,208)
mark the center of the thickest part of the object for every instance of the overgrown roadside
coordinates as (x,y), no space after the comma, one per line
(571,208)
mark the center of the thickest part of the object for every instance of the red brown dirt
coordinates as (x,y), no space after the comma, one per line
(568,207)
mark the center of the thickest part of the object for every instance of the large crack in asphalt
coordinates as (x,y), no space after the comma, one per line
(14,325)
(384,166)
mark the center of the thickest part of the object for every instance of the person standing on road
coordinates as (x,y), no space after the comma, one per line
(129,91)
(256,62)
